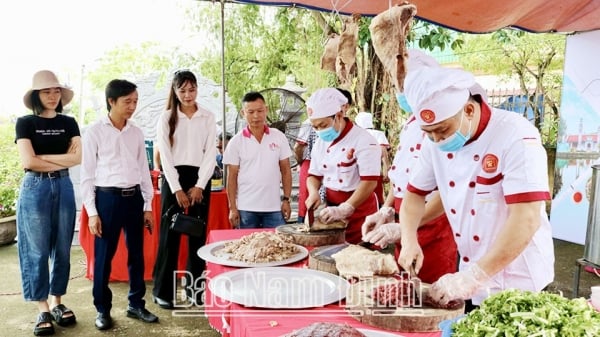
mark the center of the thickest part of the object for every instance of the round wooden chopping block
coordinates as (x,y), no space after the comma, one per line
(312,239)
(320,258)
(361,306)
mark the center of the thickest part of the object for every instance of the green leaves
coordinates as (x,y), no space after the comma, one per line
(524,313)
(10,170)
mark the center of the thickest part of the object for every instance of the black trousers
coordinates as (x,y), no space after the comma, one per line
(165,267)
(119,212)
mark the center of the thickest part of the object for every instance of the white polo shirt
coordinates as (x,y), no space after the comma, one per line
(259,177)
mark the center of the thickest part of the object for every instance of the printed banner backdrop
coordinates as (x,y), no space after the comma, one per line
(578,139)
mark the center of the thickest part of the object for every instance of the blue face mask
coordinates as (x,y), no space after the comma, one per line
(456,141)
(329,134)
(402,102)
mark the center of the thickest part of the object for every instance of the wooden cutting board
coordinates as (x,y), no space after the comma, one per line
(362,307)
(312,239)
(320,258)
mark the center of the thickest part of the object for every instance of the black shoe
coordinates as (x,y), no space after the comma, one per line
(142,314)
(162,303)
(103,321)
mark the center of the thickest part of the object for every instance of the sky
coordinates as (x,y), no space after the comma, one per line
(66,35)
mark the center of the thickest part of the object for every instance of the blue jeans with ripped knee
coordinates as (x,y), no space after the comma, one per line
(45,226)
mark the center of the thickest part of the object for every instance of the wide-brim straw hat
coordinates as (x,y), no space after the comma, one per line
(45,79)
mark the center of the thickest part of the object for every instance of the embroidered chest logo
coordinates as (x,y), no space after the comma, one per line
(489,163)
(273,146)
(309,111)
(427,116)
(350,154)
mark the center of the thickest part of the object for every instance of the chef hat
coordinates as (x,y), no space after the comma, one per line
(418,59)
(437,93)
(364,120)
(325,102)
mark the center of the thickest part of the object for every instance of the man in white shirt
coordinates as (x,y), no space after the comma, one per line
(345,159)
(117,193)
(258,167)
(489,166)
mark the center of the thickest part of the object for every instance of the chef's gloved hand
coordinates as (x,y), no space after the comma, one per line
(335,213)
(384,215)
(460,285)
(384,235)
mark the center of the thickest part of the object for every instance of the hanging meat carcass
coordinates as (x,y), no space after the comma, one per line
(330,52)
(388,32)
(345,63)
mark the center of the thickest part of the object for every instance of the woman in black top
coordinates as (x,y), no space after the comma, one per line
(49,143)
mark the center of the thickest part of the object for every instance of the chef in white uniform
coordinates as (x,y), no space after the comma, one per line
(490,168)
(346,159)
(435,234)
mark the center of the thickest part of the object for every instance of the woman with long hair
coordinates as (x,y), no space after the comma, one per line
(186,141)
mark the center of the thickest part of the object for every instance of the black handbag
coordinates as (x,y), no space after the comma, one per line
(188,224)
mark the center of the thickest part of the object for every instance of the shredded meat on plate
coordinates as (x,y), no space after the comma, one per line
(261,247)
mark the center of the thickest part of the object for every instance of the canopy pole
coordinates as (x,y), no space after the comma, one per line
(223,89)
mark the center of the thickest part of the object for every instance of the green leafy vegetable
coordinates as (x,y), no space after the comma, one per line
(514,313)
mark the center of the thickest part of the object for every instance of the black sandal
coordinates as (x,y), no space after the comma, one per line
(43,318)
(58,314)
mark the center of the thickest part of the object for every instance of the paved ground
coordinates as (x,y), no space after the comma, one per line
(17,317)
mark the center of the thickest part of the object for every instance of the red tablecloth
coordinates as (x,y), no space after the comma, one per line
(218,218)
(234,320)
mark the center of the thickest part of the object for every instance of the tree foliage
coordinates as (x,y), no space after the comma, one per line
(535,60)
(262,46)
(11,171)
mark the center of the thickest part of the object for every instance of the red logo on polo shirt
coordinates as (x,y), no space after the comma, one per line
(309,111)
(489,163)
(427,116)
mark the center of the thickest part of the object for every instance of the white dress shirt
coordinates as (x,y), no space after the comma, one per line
(194,144)
(114,158)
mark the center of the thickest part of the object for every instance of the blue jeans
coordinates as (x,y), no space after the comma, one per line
(250,219)
(45,226)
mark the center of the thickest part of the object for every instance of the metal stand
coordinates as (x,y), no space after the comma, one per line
(578,264)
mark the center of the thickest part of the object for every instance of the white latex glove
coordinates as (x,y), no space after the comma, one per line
(460,285)
(335,213)
(384,215)
(384,235)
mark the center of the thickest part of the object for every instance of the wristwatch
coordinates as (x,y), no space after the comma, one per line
(284,198)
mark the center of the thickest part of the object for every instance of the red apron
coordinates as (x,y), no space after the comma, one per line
(439,248)
(355,221)
(303,191)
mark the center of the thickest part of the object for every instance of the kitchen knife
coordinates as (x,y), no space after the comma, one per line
(415,282)
(310,216)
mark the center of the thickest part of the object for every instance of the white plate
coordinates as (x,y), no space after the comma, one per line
(279,287)
(375,333)
(212,253)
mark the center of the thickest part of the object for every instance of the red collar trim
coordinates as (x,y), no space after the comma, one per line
(484,119)
(247,133)
(347,129)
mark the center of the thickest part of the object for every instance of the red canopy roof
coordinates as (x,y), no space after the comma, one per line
(475,16)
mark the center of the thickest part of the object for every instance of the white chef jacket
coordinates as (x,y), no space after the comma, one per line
(342,163)
(505,164)
(406,156)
